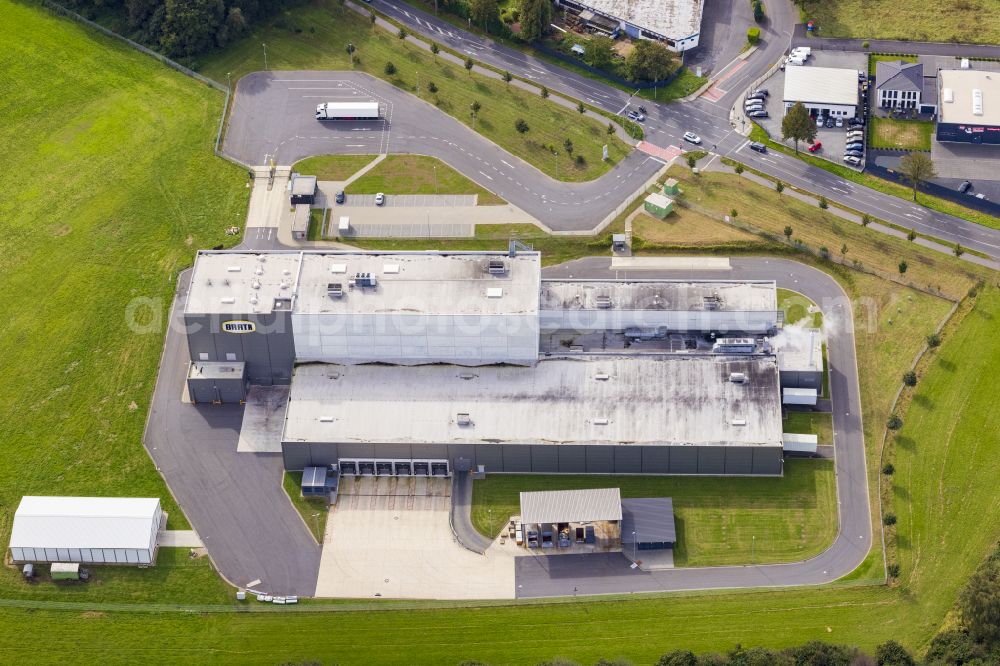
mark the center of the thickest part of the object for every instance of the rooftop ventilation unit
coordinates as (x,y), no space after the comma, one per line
(326,419)
(334,290)
(229,300)
(255,284)
(948,95)
(467,375)
(602,376)
(338,268)
(464,419)
(739,422)
(964,64)
(494,292)
(600,422)
(737,377)
(603,302)
(390,269)
(497,267)
(712,302)
(234,269)
(977,102)
(365,280)
(259,270)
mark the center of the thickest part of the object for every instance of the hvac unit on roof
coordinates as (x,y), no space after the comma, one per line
(948,95)
(334,289)
(603,302)
(977,102)
(364,280)
(497,267)
(737,377)
(464,419)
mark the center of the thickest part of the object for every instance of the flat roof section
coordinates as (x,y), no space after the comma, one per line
(650,519)
(240,282)
(799,349)
(613,400)
(571,506)
(821,85)
(676,19)
(967,106)
(84,522)
(420,283)
(664,295)
(216,370)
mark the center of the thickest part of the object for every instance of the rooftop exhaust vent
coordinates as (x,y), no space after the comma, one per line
(334,290)
(228,300)
(977,102)
(602,376)
(494,292)
(739,422)
(234,269)
(464,419)
(737,377)
(497,267)
(603,302)
(601,421)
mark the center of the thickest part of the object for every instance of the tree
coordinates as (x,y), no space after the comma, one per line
(568,146)
(691,160)
(190,26)
(933,340)
(910,378)
(953,647)
(779,187)
(958,250)
(402,33)
(843,250)
(980,602)
(600,51)
(390,69)
(372,18)
(738,169)
(544,92)
(611,129)
(866,220)
(484,12)
(797,125)
(536,15)
(823,203)
(350,49)
(888,469)
(435,49)
(892,653)
(649,61)
(733,213)
(581,108)
(507,77)
(894,423)
(911,235)
(678,658)
(758,11)
(521,126)
(788,232)
(918,169)
(902,267)
(432,87)
(469,64)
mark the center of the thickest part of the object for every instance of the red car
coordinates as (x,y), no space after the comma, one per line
(816,146)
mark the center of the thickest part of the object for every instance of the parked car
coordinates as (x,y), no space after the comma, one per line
(692,137)
(852,160)
(839,122)
(643,110)
(862,75)
(762,91)
(805,50)
(340,197)
(854,153)
(816,146)
(753,105)
(756,95)
(760,113)
(829,123)
(965,187)
(859,133)
(635,115)
(379,199)
(855,146)
(860,122)
(757,146)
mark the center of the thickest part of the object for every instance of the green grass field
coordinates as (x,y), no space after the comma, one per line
(333,167)
(101,208)
(900,134)
(419,174)
(810,423)
(314,511)
(792,518)
(326,27)
(960,21)
(796,308)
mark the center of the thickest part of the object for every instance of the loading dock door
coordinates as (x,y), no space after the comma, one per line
(366,467)
(383,467)
(421,469)
(348,468)
(391,467)
(404,469)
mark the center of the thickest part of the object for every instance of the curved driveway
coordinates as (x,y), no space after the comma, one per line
(607,574)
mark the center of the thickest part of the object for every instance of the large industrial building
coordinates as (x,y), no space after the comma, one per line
(969,106)
(432,362)
(676,23)
(827,91)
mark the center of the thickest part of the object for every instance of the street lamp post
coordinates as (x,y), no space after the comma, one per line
(753,548)
(229,82)
(634,545)
(435,179)
(265,54)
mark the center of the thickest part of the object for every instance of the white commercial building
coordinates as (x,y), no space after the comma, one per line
(97,530)
(824,90)
(677,23)
(969,109)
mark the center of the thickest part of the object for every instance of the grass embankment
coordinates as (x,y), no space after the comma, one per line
(686,227)
(976,21)
(326,27)
(878,184)
(792,518)
(419,174)
(314,511)
(333,167)
(317,218)
(798,308)
(111,201)
(900,134)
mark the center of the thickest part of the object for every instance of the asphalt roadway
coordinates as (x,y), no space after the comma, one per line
(273,117)
(707,117)
(234,501)
(563,575)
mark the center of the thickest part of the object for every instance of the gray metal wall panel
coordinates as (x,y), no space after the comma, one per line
(600,460)
(201,390)
(545,458)
(767,460)
(683,460)
(394,450)
(467,451)
(490,456)
(323,454)
(739,460)
(628,460)
(428,451)
(711,460)
(357,450)
(516,458)
(296,455)
(656,459)
(572,459)
(268,352)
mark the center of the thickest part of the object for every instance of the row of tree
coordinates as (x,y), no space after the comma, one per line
(181,28)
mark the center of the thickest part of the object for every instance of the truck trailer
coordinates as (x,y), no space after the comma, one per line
(347,111)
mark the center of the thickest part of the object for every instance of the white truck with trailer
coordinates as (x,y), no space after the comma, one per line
(347,111)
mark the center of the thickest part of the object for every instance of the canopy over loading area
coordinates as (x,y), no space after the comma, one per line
(562,517)
(648,523)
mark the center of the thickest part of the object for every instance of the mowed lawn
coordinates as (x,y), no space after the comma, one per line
(109,186)
(684,227)
(419,174)
(798,308)
(976,21)
(332,167)
(719,520)
(325,29)
(901,134)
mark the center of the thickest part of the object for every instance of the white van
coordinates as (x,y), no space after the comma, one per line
(804,51)
(795,60)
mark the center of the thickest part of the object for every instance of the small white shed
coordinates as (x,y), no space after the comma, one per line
(96,530)
(799,443)
(799,396)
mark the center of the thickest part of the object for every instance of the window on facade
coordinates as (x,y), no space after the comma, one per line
(230,356)
(202,356)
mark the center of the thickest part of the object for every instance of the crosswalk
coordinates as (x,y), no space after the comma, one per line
(665,154)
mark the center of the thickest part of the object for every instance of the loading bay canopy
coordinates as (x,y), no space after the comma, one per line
(571,506)
(648,522)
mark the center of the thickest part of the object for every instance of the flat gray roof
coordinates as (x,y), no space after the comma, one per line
(303,185)
(614,400)
(571,506)
(216,370)
(962,85)
(676,19)
(420,283)
(677,295)
(226,282)
(821,85)
(799,349)
(651,519)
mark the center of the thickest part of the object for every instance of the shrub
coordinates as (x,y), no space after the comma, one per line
(824,252)
(580,107)
(910,378)
(888,469)
(580,160)
(894,422)
(889,519)
(866,219)
(545,92)
(779,186)
(892,570)
(432,87)
(521,126)
(902,267)
(390,69)
(865,45)
(823,203)
(892,653)
(753,35)
(933,340)
(402,33)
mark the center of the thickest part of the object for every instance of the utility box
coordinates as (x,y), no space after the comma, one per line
(618,243)
(671,188)
(65,571)
(659,206)
(303,189)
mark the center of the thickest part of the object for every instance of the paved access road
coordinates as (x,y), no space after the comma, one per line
(708,116)
(234,500)
(273,117)
(607,574)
